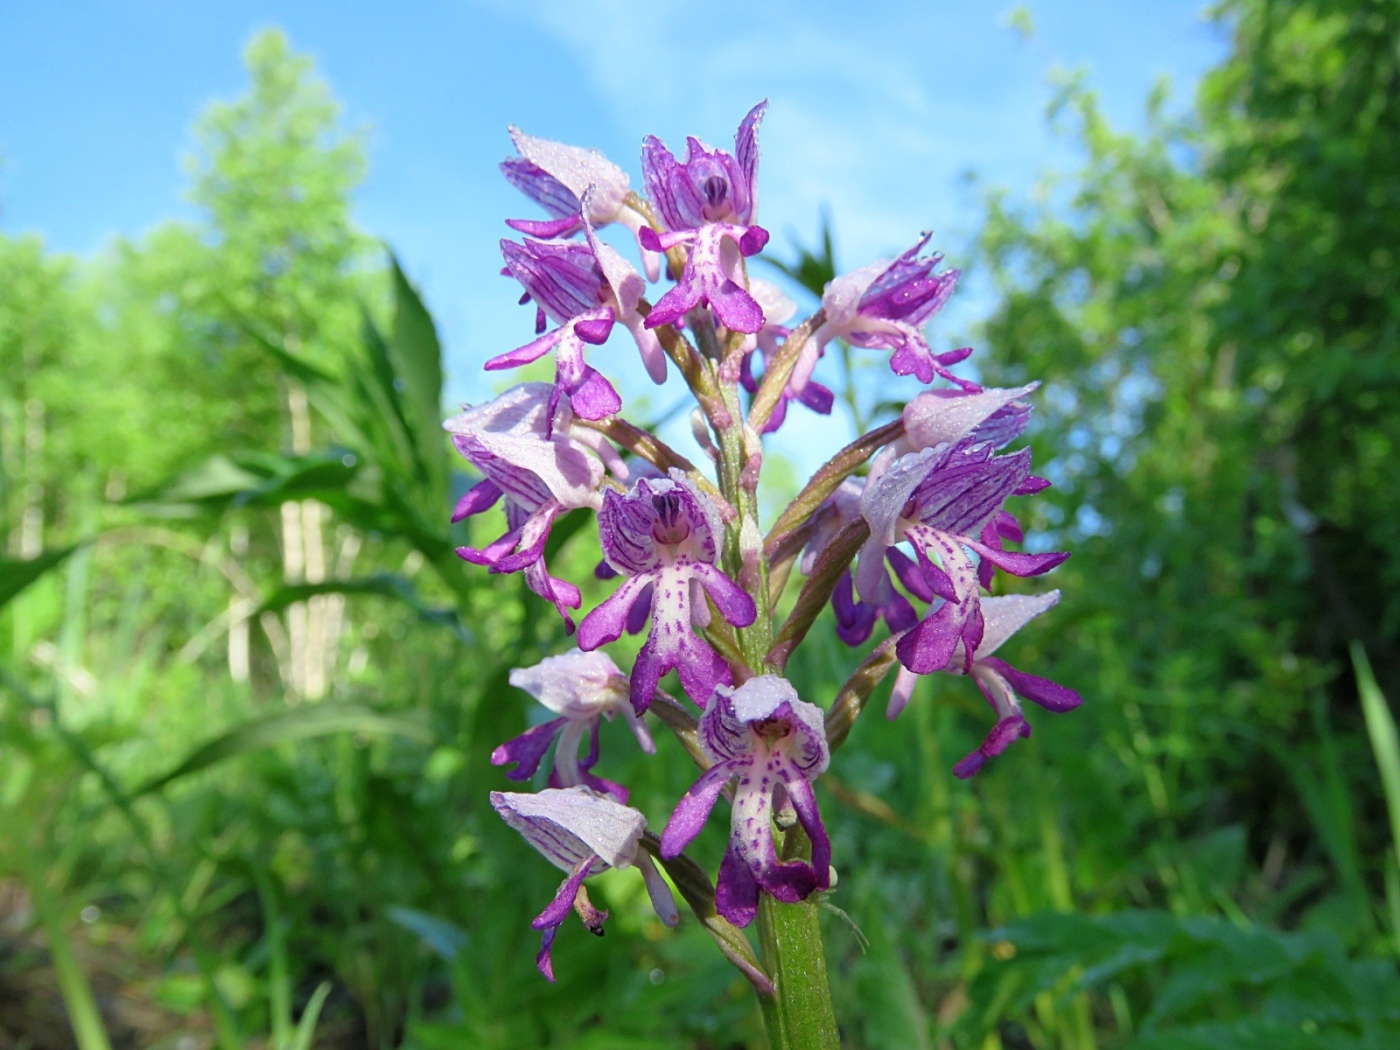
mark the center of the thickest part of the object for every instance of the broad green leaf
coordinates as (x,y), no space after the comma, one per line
(386,585)
(16,573)
(264,479)
(217,479)
(417,358)
(297,724)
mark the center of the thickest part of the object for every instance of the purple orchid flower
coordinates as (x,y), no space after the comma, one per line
(558,177)
(855,618)
(1001,683)
(707,201)
(938,500)
(778,308)
(531,455)
(772,742)
(994,416)
(884,306)
(582,689)
(581,833)
(584,289)
(664,534)
(935,419)
(566,283)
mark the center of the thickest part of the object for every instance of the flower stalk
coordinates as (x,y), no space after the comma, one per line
(800,1015)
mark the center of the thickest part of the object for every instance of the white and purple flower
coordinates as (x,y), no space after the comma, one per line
(558,178)
(584,289)
(774,743)
(708,201)
(1002,684)
(529,454)
(939,499)
(581,833)
(884,306)
(663,535)
(995,416)
(582,689)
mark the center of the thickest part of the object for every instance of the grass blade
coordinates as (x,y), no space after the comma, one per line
(298,724)
(1385,742)
(83,1014)
(306,1027)
(17,574)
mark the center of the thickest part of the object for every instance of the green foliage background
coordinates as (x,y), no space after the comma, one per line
(248,694)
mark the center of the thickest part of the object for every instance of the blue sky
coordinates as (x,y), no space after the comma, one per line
(876,112)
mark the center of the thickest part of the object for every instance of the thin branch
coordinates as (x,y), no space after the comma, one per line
(682,723)
(816,592)
(828,479)
(850,700)
(659,454)
(779,371)
(694,886)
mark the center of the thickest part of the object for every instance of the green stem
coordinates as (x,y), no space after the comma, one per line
(800,1015)
(83,1014)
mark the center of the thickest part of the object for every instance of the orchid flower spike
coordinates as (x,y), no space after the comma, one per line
(581,833)
(775,744)
(1002,684)
(557,178)
(884,306)
(664,535)
(543,466)
(582,689)
(708,201)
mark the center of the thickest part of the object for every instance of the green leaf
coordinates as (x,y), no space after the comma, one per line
(1385,742)
(375,384)
(417,358)
(306,1027)
(441,936)
(217,479)
(385,585)
(16,574)
(262,479)
(297,724)
(891,1011)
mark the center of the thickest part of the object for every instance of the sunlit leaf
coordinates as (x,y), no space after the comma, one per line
(385,585)
(297,724)
(18,573)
